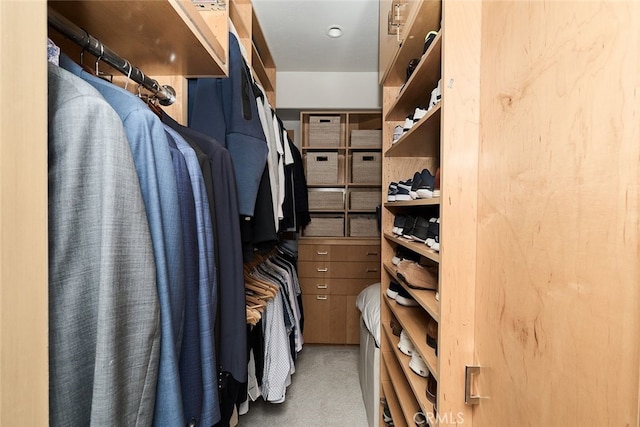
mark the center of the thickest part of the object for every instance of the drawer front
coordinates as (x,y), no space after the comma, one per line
(321,286)
(347,270)
(339,253)
(325,319)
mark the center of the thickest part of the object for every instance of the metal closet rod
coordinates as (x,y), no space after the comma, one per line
(166,94)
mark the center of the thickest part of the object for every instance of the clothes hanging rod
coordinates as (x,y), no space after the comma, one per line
(165,94)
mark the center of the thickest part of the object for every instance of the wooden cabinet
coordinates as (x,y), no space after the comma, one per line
(519,295)
(332,274)
(342,156)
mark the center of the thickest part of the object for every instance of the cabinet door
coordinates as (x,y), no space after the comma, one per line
(557,328)
(324,319)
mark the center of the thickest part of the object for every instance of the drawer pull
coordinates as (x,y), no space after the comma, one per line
(323,270)
(372,253)
(324,286)
(321,297)
(372,270)
(322,253)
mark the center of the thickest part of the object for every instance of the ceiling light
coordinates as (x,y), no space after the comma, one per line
(334,31)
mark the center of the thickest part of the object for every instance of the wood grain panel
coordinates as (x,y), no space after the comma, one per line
(313,285)
(355,270)
(324,319)
(558,301)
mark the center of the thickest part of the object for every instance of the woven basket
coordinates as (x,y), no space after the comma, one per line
(322,167)
(366,167)
(326,199)
(366,138)
(363,200)
(325,226)
(363,226)
(324,131)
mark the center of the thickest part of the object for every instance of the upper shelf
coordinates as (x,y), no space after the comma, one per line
(163,37)
(423,80)
(425,16)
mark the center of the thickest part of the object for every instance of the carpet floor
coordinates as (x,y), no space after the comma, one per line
(324,391)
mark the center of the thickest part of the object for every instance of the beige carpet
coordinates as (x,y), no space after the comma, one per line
(324,391)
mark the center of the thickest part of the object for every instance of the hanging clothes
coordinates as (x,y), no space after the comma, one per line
(104,311)
(159,190)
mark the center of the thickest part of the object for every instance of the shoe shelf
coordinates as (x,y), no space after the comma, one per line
(414,203)
(415,324)
(423,80)
(423,17)
(419,248)
(426,298)
(417,383)
(394,405)
(403,391)
(422,140)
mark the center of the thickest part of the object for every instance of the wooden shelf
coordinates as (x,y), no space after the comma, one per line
(417,90)
(425,16)
(426,298)
(419,248)
(141,34)
(417,383)
(422,140)
(414,203)
(408,403)
(414,322)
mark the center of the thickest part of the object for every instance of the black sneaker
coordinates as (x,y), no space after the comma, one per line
(404,298)
(429,38)
(427,183)
(403,253)
(409,223)
(433,238)
(393,289)
(420,230)
(392,191)
(398,225)
(404,188)
(417,182)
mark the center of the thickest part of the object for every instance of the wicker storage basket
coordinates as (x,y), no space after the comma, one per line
(322,167)
(324,131)
(325,226)
(366,138)
(364,200)
(363,226)
(366,167)
(326,199)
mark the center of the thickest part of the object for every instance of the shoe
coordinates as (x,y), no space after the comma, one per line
(416,182)
(432,389)
(417,276)
(386,415)
(408,123)
(411,67)
(392,191)
(398,225)
(405,345)
(420,419)
(404,187)
(436,95)
(419,113)
(428,39)
(432,334)
(395,327)
(404,298)
(433,234)
(420,229)
(409,224)
(403,253)
(427,182)
(397,133)
(393,289)
(418,366)
(436,184)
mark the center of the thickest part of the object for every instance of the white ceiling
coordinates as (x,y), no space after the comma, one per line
(295,31)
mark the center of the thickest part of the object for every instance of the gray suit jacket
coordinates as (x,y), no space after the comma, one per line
(104,331)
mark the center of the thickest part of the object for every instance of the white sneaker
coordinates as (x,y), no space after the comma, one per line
(418,366)
(436,95)
(419,113)
(405,345)
(397,133)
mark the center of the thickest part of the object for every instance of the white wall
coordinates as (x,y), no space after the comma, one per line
(327,90)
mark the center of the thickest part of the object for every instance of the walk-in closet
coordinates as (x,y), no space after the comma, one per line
(294,213)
